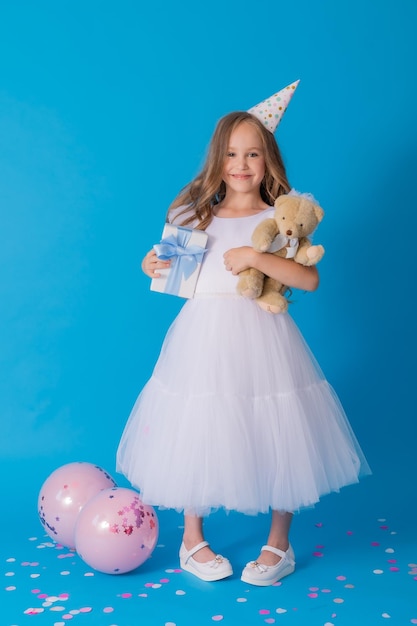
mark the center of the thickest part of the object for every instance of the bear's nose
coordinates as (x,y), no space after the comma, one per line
(289,232)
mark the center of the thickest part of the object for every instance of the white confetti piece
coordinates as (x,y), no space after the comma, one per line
(378,571)
(386,615)
(279,611)
(241,599)
(180,592)
(389,550)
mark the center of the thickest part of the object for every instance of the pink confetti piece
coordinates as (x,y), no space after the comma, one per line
(326,590)
(264,612)
(269,620)
(319,525)
(127,595)
(318,554)
(384,527)
(349,532)
(108,609)
(313,595)
(338,600)
(217,618)
(413,620)
(340,577)
(65,556)
(313,588)
(164,580)
(375,543)
(86,609)
(394,569)
(391,560)
(67,616)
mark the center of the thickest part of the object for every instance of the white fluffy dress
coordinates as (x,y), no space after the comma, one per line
(237,413)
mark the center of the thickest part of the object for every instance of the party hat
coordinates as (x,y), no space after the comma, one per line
(271,110)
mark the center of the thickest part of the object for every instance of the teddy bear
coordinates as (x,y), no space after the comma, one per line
(286,234)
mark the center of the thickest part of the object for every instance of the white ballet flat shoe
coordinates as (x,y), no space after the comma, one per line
(216,569)
(263,575)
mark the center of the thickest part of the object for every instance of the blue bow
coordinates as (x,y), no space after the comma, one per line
(184,260)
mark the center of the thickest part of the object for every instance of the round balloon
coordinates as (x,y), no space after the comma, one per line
(63,495)
(115,532)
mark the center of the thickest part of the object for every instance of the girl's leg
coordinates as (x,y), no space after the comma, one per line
(278,537)
(193,535)
(270,567)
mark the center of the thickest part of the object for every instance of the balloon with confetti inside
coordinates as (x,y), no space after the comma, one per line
(115,532)
(63,495)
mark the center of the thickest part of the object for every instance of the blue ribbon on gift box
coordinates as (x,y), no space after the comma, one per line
(184,258)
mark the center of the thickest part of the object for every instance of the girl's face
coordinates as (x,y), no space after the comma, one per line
(244,163)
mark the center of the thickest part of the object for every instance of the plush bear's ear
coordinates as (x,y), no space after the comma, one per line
(319,213)
(281,200)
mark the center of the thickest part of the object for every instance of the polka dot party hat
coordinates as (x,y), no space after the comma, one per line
(271,110)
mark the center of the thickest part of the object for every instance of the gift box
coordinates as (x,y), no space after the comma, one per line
(185,248)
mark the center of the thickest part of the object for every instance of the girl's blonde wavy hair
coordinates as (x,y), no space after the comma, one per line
(207,189)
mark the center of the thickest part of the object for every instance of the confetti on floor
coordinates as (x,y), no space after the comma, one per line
(343,577)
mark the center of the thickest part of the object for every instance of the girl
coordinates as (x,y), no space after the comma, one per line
(237,413)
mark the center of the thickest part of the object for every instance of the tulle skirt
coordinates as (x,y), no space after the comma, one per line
(237,415)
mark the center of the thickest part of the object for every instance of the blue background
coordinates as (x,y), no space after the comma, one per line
(105,113)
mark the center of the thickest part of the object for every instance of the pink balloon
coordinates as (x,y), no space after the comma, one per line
(63,495)
(115,532)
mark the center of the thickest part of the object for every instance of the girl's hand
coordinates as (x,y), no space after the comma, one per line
(151,264)
(238,259)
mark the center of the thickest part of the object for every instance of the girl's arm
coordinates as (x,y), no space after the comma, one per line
(285,271)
